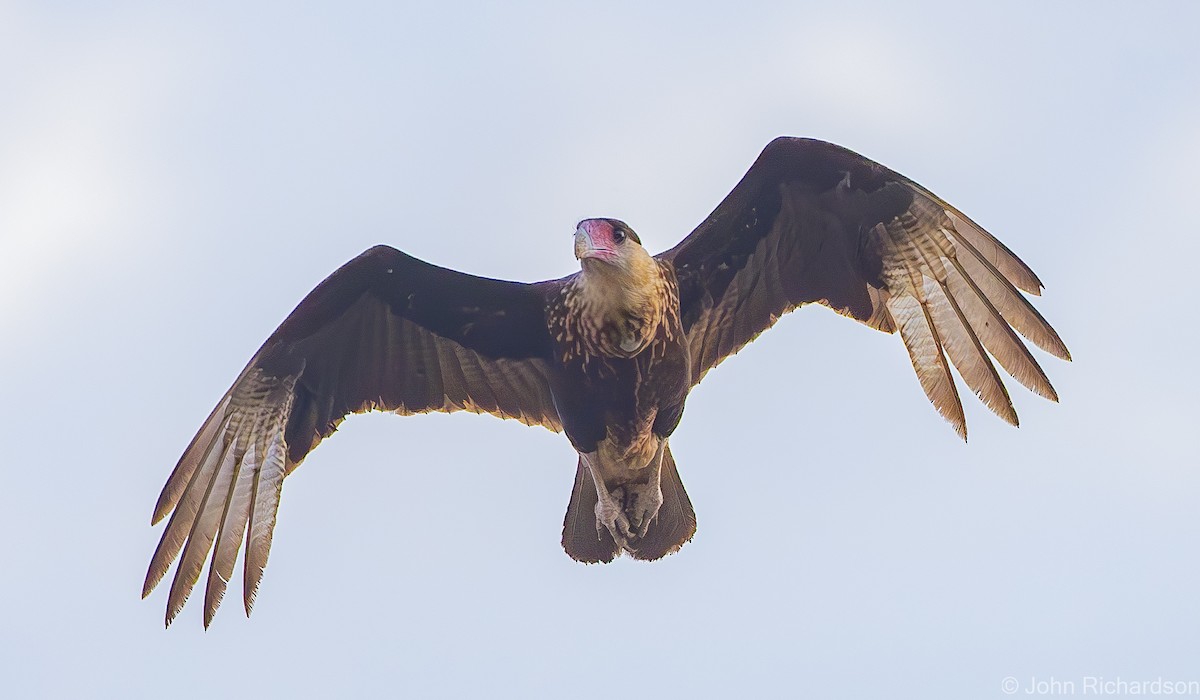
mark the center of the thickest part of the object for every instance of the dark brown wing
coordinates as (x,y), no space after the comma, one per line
(387,332)
(814,222)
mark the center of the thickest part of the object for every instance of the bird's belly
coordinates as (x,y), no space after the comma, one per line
(617,462)
(623,407)
(628,449)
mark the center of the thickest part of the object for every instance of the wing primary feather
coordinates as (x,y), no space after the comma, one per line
(179,525)
(236,508)
(952,329)
(875,246)
(905,281)
(1013,307)
(247,595)
(1004,260)
(967,353)
(195,454)
(200,535)
(363,339)
(233,523)
(948,390)
(997,336)
(264,499)
(268,483)
(925,351)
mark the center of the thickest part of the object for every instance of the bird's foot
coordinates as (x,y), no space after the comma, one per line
(628,510)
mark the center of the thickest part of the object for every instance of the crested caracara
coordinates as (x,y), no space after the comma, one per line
(607,355)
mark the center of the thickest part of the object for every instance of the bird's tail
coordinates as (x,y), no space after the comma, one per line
(673,527)
(675,524)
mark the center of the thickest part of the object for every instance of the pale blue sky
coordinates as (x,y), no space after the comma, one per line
(173,181)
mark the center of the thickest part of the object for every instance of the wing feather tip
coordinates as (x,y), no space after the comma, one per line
(214,593)
(249,594)
(1053,344)
(960,427)
(1007,413)
(155,574)
(172,613)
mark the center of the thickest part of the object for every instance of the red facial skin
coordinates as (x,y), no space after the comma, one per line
(594,239)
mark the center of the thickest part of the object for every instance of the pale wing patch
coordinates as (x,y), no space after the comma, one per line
(952,290)
(1014,307)
(950,300)
(226,486)
(987,246)
(925,350)
(234,470)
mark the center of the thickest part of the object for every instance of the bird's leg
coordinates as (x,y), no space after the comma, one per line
(610,511)
(627,501)
(644,498)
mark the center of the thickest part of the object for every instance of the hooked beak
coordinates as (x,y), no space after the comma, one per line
(584,246)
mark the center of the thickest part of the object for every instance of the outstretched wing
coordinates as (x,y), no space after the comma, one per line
(386,331)
(815,222)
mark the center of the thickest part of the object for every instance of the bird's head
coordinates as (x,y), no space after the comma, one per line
(607,242)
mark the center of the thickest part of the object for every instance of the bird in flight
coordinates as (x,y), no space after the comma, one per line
(606,355)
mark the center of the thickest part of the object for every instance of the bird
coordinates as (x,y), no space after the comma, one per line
(606,355)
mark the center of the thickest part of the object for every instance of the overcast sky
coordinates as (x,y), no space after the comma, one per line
(172,182)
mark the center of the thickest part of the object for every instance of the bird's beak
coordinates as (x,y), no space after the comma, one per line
(583,244)
(592,240)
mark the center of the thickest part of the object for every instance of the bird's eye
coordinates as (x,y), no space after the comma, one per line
(618,236)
